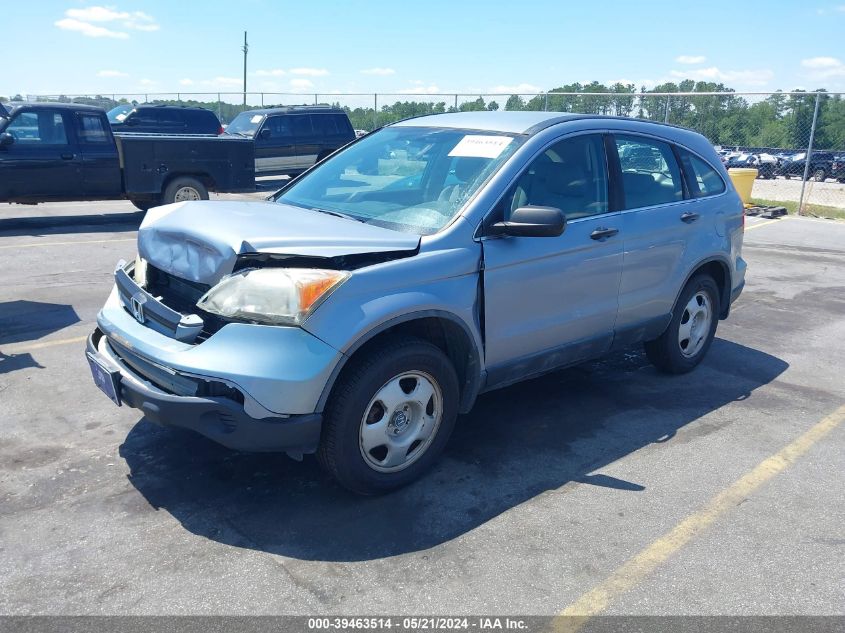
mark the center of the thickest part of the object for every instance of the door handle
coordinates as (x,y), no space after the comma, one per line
(603,233)
(68,156)
(689,217)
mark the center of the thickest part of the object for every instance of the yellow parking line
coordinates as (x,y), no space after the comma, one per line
(636,569)
(122,239)
(757,226)
(24,348)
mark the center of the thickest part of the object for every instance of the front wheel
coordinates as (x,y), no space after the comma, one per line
(389,417)
(183,189)
(685,342)
(143,204)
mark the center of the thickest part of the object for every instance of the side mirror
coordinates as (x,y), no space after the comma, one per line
(532,222)
(6,139)
(264,134)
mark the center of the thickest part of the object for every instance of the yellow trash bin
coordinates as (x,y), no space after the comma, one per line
(743,180)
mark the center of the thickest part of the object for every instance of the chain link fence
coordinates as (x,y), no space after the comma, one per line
(796,140)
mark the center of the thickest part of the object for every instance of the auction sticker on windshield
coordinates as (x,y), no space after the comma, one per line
(478,146)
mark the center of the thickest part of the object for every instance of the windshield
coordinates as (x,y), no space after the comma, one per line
(410,179)
(116,115)
(245,124)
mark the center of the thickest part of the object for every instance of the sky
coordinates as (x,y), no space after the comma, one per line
(435,46)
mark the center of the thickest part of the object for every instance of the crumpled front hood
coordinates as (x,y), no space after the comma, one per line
(200,241)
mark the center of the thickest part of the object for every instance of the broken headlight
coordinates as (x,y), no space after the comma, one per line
(279,296)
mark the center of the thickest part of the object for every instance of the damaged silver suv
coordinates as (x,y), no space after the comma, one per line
(369,302)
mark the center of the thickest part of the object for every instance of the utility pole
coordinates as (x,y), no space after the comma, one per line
(245,49)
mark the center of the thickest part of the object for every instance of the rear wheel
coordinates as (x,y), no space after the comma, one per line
(389,417)
(685,342)
(183,189)
(819,175)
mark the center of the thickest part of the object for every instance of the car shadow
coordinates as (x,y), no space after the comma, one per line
(23,320)
(517,443)
(64,224)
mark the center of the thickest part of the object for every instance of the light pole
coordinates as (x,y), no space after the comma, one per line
(245,49)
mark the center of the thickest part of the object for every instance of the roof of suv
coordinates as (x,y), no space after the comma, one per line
(510,122)
(298,109)
(170,106)
(60,106)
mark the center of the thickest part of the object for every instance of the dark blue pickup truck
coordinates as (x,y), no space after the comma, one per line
(54,152)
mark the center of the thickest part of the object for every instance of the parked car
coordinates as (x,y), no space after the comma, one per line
(52,152)
(164,119)
(765,164)
(289,140)
(821,166)
(356,314)
(837,168)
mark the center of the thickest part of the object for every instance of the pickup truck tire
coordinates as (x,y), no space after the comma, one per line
(683,344)
(144,204)
(819,175)
(389,416)
(184,188)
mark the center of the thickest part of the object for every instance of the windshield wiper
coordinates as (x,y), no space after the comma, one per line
(338,214)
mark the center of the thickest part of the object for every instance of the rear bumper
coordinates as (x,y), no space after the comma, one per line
(217,418)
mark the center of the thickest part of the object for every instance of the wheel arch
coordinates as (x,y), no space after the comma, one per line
(443,329)
(719,269)
(203,177)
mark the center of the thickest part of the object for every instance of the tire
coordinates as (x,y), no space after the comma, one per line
(143,205)
(184,188)
(819,175)
(668,352)
(371,394)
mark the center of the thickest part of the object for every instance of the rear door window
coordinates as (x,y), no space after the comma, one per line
(324,124)
(301,124)
(650,173)
(91,131)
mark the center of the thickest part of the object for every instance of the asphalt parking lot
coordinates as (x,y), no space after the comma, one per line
(606,488)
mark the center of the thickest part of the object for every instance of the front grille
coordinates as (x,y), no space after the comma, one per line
(176,293)
(182,295)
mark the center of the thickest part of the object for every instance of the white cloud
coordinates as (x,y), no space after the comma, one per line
(691,59)
(383,72)
(309,72)
(89,30)
(186,82)
(505,89)
(821,62)
(824,67)
(275,72)
(87,21)
(148,82)
(301,84)
(112,73)
(758,77)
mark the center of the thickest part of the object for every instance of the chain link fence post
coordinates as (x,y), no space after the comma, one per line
(375,111)
(809,154)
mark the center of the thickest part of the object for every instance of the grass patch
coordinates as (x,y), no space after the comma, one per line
(818,210)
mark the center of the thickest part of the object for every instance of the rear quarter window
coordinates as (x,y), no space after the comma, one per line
(702,179)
